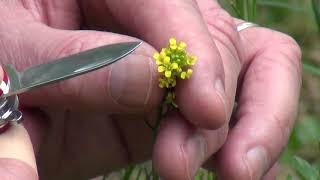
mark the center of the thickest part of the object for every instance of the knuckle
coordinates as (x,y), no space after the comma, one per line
(76,43)
(290,45)
(294,46)
(284,48)
(221,21)
(221,26)
(289,49)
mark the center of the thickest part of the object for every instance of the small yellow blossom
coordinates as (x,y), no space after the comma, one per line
(174,66)
(168,74)
(161,69)
(192,60)
(173,62)
(186,74)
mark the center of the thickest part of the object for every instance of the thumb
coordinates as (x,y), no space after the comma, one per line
(17,160)
(129,85)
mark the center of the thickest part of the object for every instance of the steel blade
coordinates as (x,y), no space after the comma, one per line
(66,67)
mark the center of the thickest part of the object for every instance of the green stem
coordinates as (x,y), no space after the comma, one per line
(158,121)
(155,129)
(104,177)
(245,10)
(316,9)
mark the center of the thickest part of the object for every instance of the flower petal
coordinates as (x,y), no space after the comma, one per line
(183,75)
(174,66)
(161,69)
(166,60)
(173,41)
(168,74)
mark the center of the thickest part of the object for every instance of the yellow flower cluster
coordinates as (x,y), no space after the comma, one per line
(173,63)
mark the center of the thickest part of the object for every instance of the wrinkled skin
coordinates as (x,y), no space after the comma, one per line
(94,123)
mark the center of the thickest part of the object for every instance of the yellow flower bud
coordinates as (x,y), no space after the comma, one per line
(173,41)
(156,56)
(189,72)
(183,75)
(163,54)
(161,69)
(182,45)
(173,47)
(192,60)
(166,60)
(168,74)
(173,62)
(174,66)
(158,62)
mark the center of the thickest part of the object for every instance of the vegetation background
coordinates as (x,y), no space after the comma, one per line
(301,20)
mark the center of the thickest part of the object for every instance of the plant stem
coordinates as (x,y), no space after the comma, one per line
(158,121)
(155,129)
(245,9)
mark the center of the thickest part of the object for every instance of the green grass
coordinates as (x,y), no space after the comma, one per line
(316,10)
(245,9)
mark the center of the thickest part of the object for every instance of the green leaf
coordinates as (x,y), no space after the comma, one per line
(284,5)
(139,173)
(311,67)
(148,175)
(245,9)
(316,9)
(289,177)
(304,169)
(128,172)
(316,165)
(308,130)
(199,175)
(211,176)
(104,177)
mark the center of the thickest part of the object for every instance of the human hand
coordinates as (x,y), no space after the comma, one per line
(80,128)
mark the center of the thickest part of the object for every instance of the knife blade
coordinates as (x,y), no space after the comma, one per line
(67,67)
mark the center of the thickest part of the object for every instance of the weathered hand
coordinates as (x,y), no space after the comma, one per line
(94,123)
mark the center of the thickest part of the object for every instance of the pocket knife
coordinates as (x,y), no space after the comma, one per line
(15,82)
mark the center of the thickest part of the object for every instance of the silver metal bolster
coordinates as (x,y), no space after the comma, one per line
(13,80)
(9,110)
(9,104)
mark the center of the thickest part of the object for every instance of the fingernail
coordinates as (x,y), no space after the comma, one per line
(195,149)
(257,162)
(130,81)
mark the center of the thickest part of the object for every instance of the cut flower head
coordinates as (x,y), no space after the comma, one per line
(173,62)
